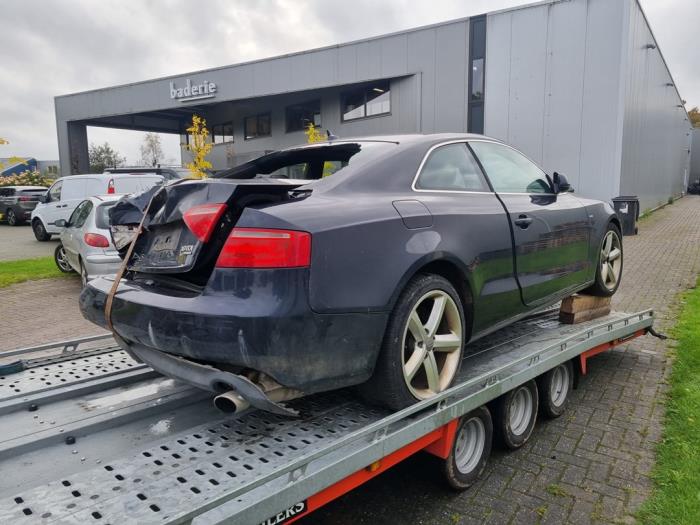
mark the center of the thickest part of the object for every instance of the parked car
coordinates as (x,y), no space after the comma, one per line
(168,172)
(375,269)
(86,245)
(67,192)
(17,202)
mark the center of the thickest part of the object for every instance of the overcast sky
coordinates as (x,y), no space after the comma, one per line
(54,47)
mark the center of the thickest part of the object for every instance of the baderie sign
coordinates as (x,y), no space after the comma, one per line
(190,91)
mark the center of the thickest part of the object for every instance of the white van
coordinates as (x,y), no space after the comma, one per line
(67,192)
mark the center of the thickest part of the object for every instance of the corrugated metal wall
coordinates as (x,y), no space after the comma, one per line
(656,133)
(695,156)
(552,88)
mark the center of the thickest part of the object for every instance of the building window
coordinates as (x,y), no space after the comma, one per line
(222,133)
(256,126)
(477,63)
(299,116)
(369,101)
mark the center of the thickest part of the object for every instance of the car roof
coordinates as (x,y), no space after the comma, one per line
(407,138)
(112,197)
(109,175)
(26,187)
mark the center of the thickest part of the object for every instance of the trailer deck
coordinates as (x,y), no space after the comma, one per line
(90,436)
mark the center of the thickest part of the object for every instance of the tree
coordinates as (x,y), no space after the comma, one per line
(151,150)
(199,147)
(694,115)
(314,134)
(102,157)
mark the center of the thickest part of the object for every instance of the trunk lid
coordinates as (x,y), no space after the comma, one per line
(167,246)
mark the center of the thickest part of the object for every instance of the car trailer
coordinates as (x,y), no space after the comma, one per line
(90,436)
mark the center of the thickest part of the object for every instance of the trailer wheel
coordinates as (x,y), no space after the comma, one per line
(516,414)
(555,387)
(470,450)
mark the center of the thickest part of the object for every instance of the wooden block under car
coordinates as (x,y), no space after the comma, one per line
(579,308)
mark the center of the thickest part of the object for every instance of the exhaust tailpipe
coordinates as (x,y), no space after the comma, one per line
(230,402)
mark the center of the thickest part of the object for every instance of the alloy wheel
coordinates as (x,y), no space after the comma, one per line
(432,344)
(611,260)
(11,218)
(62,260)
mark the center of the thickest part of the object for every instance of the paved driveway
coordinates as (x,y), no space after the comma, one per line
(591,465)
(18,242)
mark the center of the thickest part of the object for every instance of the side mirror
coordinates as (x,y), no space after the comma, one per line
(561,185)
(62,223)
(44,198)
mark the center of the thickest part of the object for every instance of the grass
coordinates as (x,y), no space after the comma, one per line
(676,495)
(12,272)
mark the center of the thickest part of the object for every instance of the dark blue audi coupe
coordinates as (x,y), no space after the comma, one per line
(366,262)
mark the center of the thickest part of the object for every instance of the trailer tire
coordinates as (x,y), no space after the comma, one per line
(516,414)
(471,449)
(555,388)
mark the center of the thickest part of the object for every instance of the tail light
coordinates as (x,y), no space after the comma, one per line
(202,219)
(26,199)
(258,248)
(96,240)
(110,186)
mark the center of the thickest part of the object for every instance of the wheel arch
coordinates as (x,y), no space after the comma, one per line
(616,221)
(450,268)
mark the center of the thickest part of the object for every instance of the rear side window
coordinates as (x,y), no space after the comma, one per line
(7,192)
(102,215)
(508,170)
(453,168)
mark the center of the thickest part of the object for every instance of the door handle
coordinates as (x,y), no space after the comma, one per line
(523,221)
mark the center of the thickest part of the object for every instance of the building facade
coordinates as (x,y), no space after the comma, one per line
(580,86)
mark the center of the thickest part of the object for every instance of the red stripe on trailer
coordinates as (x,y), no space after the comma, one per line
(583,358)
(438,442)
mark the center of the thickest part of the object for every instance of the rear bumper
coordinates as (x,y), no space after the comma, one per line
(266,326)
(98,264)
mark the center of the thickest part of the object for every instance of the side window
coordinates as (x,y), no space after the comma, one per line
(508,170)
(74,189)
(451,167)
(55,191)
(80,214)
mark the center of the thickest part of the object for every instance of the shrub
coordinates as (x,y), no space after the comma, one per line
(26,178)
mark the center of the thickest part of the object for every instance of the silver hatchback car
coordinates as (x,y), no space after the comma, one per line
(86,244)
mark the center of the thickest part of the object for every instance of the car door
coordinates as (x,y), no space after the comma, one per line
(473,226)
(72,235)
(550,231)
(51,210)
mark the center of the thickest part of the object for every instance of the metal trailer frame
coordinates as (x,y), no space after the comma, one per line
(252,467)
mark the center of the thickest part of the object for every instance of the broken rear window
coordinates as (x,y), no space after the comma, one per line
(310,163)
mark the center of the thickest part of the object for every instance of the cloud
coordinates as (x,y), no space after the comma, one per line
(56,47)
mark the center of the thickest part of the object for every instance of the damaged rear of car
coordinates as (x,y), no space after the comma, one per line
(217,289)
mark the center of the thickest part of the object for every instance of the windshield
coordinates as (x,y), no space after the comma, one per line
(102,215)
(309,163)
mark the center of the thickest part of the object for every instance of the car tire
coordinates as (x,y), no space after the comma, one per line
(40,231)
(59,257)
(83,274)
(423,345)
(608,264)
(12,218)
